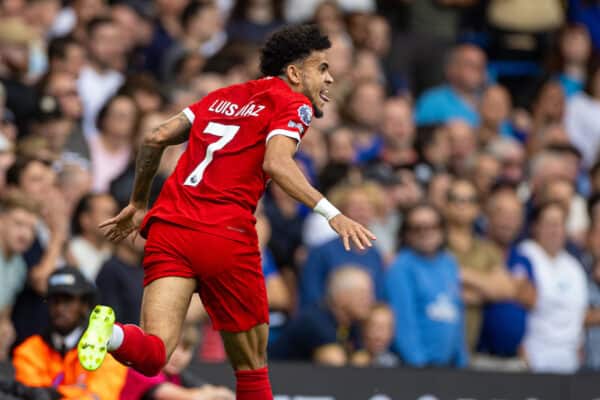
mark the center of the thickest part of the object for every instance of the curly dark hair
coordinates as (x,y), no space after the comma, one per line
(290,44)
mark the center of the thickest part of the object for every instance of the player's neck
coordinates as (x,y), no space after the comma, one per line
(294,88)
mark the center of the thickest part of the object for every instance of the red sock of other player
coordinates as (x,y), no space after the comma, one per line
(253,385)
(144,353)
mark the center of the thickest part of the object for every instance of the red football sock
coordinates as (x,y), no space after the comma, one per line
(253,385)
(144,353)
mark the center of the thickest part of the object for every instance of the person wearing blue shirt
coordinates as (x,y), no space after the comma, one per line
(459,98)
(504,323)
(424,292)
(324,259)
(329,332)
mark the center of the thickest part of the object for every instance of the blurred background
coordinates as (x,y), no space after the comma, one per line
(464,133)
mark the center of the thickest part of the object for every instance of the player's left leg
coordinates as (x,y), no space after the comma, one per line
(247,353)
(146,348)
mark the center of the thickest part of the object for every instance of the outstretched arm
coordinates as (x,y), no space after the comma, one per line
(279,163)
(175,130)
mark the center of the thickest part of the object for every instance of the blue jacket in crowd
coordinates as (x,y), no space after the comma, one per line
(324,259)
(504,323)
(425,296)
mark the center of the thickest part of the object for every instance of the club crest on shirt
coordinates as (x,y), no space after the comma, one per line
(305,114)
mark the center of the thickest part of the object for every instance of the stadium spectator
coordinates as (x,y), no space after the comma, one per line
(329,333)
(511,155)
(437,189)
(37,180)
(378,334)
(358,203)
(495,109)
(401,191)
(203,33)
(459,98)
(423,287)
(572,58)
(504,323)
(582,126)
(112,148)
(285,221)
(340,146)
(592,318)
(146,92)
(483,275)
(99,79)
(51,126)
(278,294)
(555,324)
(484,172)
(63,87)
(432,145)
(547,110)
(18,218)
(89,249)
(329,18)
(120,278)
(172,382)
(563,192)
(76,18)
(254,21)
(74,181)
(365,121)
(49,360)
(463,145)
(66,55)
(136,28)
(397,135)
(120,186)
(15,38)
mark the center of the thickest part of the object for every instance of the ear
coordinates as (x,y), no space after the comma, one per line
(293,74)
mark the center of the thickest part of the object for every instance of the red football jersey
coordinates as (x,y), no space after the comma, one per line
(219,179)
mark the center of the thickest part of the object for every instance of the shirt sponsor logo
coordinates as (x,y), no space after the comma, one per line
(296,125)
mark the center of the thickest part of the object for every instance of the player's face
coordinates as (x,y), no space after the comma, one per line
(316,80)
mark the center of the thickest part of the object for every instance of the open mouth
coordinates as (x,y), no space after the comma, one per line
(323,95)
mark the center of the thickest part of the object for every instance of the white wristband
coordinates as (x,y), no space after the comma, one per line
(326,209)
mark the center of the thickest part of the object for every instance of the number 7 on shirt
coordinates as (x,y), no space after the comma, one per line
(227,133)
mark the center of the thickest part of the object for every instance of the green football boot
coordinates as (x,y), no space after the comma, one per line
(92,346)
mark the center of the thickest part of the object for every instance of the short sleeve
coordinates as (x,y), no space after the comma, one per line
(292,120)
(196,108)
(192,110)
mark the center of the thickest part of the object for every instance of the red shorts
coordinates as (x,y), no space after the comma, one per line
(229,273)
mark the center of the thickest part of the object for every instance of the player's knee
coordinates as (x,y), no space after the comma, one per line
(250,361)
(246,350)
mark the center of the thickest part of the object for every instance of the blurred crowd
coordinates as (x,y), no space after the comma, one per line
(464,133)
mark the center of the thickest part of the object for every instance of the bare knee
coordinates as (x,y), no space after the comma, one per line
(247,350)
(164,306)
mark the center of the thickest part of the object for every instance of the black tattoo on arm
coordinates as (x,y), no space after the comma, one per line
(173,131)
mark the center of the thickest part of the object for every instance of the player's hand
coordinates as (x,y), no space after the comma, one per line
(351,232)
(128,220)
